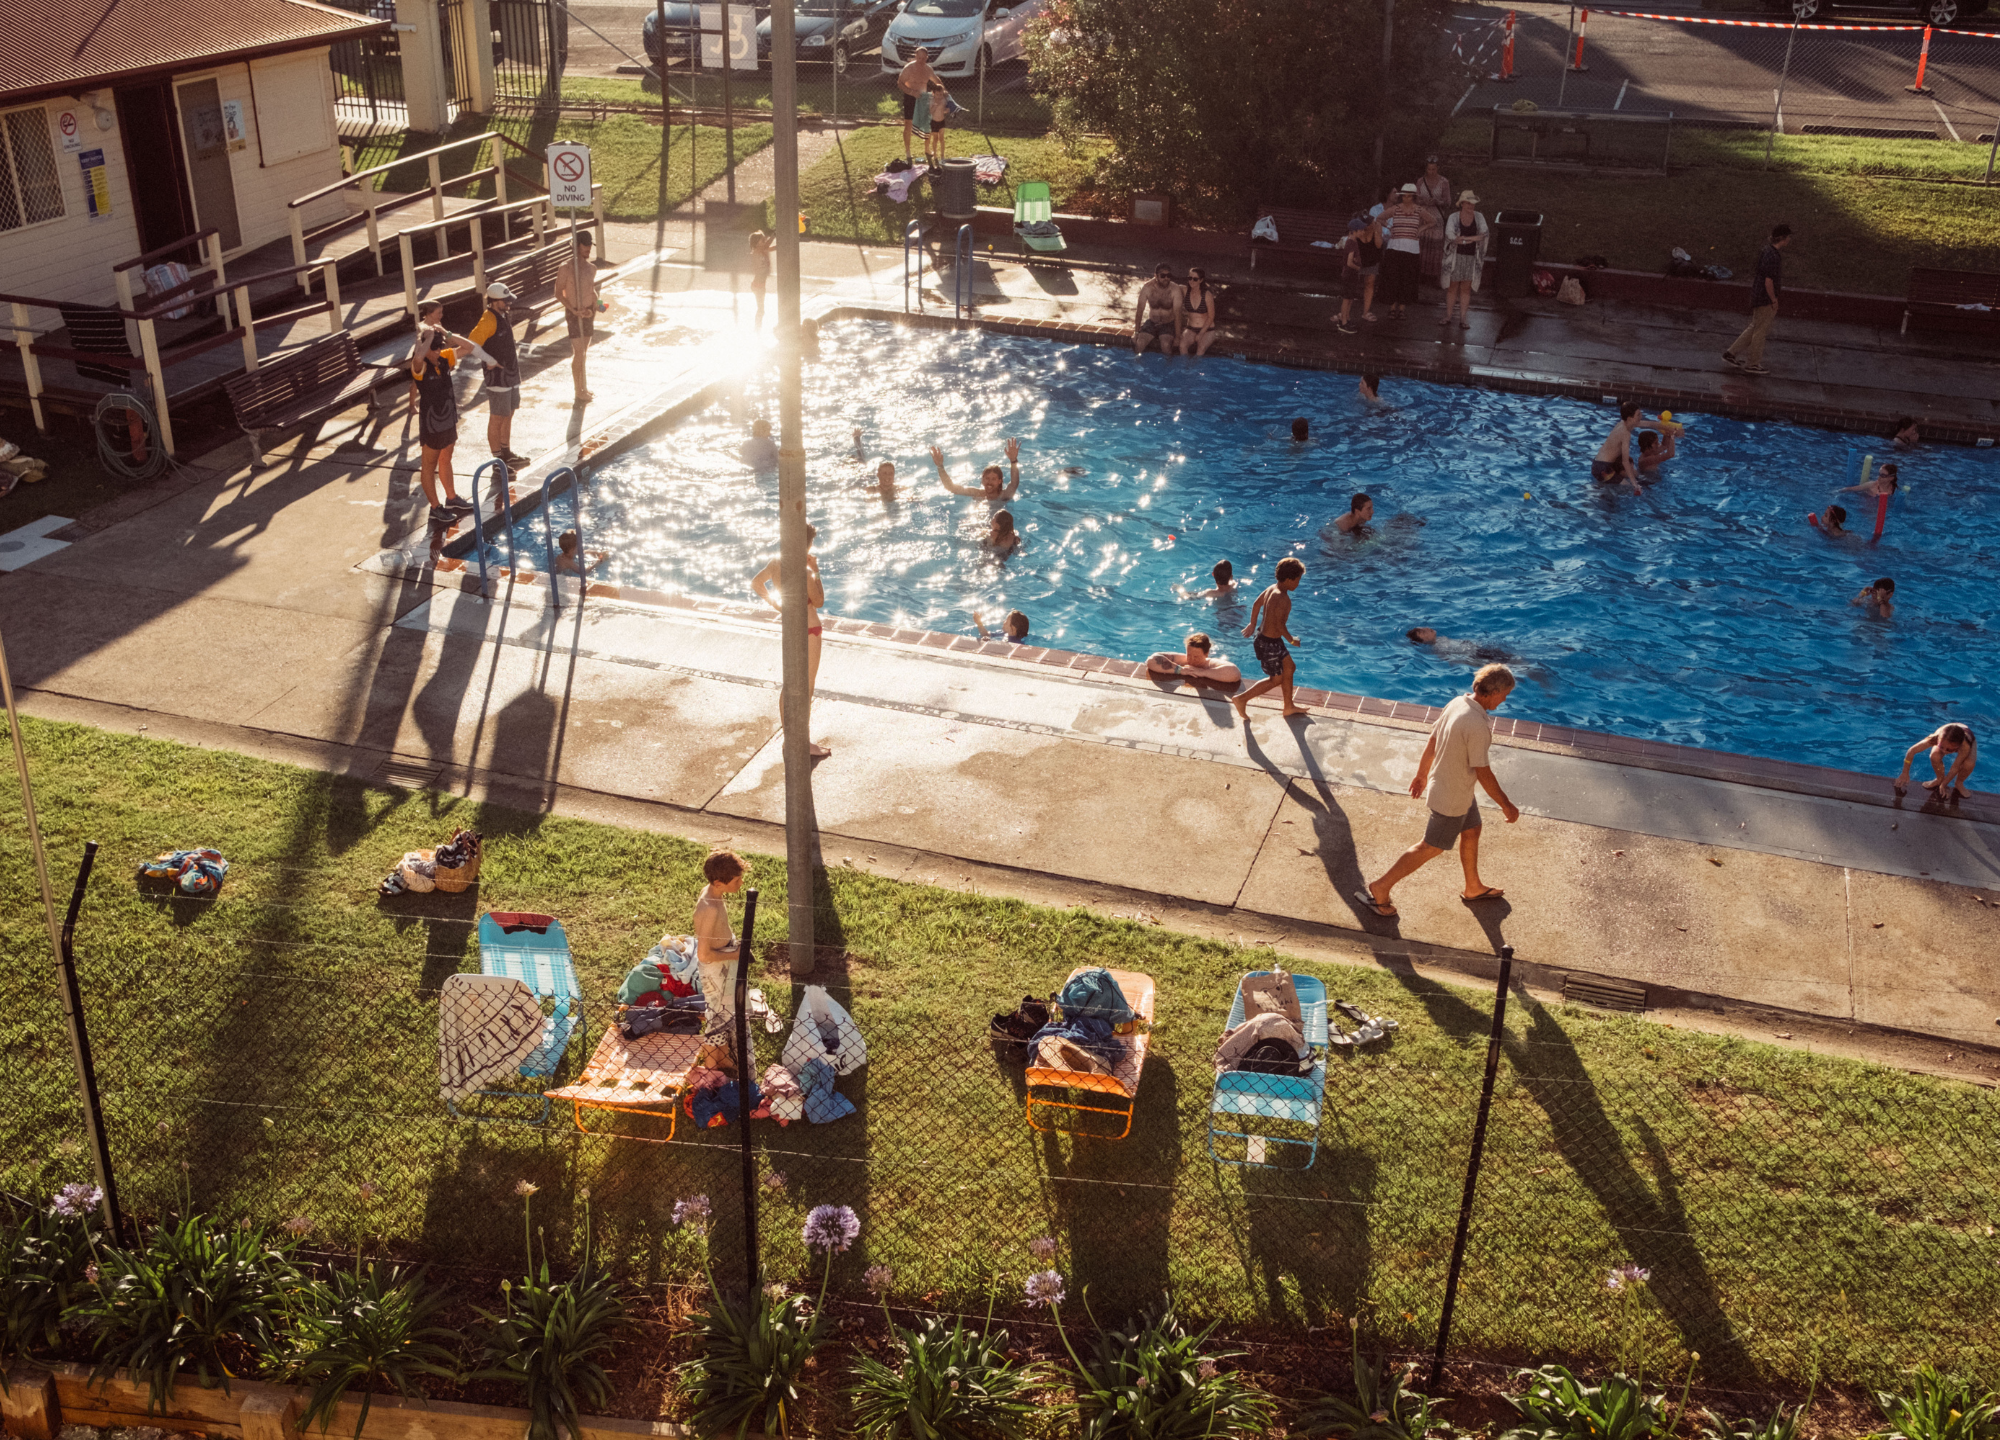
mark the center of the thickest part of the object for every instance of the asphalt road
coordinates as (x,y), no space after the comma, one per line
(1839,80)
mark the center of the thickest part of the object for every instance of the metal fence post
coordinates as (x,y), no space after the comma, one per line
(1995,146)
(1778,101)
(1472,1164)
(745,1070)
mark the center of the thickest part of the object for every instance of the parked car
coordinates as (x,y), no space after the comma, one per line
(959,33)
(860,24)
(1930,12)
(683,19)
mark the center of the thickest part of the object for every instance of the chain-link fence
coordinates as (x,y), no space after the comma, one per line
(1794,1217)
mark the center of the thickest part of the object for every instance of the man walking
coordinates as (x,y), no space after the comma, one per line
(576,292)
(1746,351)
(493,332)
(913,82)
(1458,748)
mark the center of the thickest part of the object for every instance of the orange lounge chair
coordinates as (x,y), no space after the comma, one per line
(640,1077)
(1114,1093)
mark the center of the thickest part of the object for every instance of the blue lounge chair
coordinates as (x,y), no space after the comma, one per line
(1278,1114)
(534,950)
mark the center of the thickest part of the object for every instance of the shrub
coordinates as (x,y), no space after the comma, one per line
(1381,1409)
(954,1383)
(1153,1382)
(45,1267)
(1940,1407)
(1559,1406)
(367,1329)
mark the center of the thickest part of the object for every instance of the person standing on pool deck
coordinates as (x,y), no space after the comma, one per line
(990,487)
(1953,742)
(762,584)
(761,246)
(576,292)
(913,85)
(1764,289)
(437,411)
(1275,607)
(1460,749)
(1614,456)
(1403,223)
(1158,296)
(493,332)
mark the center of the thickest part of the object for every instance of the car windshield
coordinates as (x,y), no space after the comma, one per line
(954,9)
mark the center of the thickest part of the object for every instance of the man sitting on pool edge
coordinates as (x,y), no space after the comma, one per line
(1196,663)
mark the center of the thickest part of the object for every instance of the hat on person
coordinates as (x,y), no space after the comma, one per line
(1466,197)
(1410,189)
(497,291)
(1430,159)
(1357,223)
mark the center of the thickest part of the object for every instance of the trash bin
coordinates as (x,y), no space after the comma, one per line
(1517,244)
(956,189)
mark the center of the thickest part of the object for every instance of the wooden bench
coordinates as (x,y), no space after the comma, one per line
(1943,294)
(304,387)
(532,278)
(1298,229)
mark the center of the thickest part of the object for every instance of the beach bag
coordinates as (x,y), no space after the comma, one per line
(457,862)
(1093,993)
(1272,994)
(1265,229)
(823,1030)
(1571,292)
(169,276)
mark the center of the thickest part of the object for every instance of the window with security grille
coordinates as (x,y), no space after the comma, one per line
(30,190)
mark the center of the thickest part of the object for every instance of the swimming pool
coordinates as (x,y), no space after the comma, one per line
(1704,613)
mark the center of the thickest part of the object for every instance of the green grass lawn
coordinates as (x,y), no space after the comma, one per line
(625,158)
(1796,1213)
(863,93)
(839,192)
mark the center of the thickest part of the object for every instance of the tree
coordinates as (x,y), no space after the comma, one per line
(1224,104)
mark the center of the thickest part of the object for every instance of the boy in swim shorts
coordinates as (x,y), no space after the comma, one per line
(1614,456)
(1268,624)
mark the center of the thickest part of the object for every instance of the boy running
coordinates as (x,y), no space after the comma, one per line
(1274,607)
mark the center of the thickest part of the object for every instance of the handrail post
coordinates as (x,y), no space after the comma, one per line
(330,281)
(221,277)
(375,235)
(149,347)
(597,221)
(479,525)
(537,214)
(24,340)
(479,255)
(437,187)
(499,167)
(961,280)
(549,535)
(913,233)
(249,328)
(299,247)
(409,272)
(122,281)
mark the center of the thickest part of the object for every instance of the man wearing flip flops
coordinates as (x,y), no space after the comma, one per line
(1459,747)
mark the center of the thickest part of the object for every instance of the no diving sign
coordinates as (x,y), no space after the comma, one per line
(569,176)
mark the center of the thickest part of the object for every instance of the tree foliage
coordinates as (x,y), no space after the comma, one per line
(1225,104)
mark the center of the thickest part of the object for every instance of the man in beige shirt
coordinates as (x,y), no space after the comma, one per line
(715,944)
(1459,749)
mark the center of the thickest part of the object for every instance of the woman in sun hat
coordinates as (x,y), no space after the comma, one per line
(1403,223)
(1465,241)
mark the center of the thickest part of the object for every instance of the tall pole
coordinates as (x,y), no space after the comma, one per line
(1562,76)
(1388,66)
(1472,1165)
(1778,100)
(746,1070)
(728,112)
(792,491)
(72,1009)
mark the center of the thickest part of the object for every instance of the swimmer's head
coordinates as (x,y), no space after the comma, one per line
(991,479)
(1629,409)
(885,474)
(1888,472)
(1884,587)
(1201,642)
(1292,569)
(1422,635)
(1361,503)
(1003,524)
(1300,430)
(1905,427)
(1371,379)
(812,533)
(1224,573)
(1837,514)
(566,542)
(1648,440)
(1955,736)
(1016,625)
(762,429)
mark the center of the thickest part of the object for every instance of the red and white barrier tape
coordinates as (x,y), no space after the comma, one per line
(1787,25)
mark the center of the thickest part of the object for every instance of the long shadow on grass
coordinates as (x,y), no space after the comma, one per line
(1115,1199)
(1309,1236)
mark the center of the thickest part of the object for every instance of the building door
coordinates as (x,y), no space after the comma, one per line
(207,150)
(153,167)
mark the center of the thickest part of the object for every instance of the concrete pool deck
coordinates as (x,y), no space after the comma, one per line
(247,610)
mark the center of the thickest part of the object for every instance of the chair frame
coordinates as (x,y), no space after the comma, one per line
(1275,1091)
(543,964)
(1071,1082)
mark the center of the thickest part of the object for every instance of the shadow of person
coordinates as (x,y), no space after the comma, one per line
(1332,833)
(1492,917)
(449,922)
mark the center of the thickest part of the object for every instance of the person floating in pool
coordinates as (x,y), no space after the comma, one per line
(1360,510)
(760,451)
(762,585)
(1014,629)
(1953,743)
(1196,662)
(1222,591)
(1268,623)
(1878,599)
(1465,650)
(1906,433)
(1652,453)
(1614,456)
(1834,522)
(990,487)
(1884,485)
(1001,536)
(1370,388)
(569,562)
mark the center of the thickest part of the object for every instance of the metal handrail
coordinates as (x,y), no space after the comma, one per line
(961,274)
(479,525)
(549,533)
(180,244)
(359,175)
(913,233)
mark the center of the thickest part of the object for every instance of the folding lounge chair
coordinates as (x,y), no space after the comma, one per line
(1274,1111)
(1072,1094)
(488,1026)
(645,1076)
(1033,218)
(533,950)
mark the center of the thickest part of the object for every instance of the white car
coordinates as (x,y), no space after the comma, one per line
(954,31)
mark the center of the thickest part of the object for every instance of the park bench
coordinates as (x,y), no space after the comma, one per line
(304,387)
(1298,229)
(1944,294)
(532,278)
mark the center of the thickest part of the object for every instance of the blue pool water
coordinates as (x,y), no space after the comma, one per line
(1705,612)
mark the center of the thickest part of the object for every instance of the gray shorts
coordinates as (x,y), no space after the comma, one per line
(503,402)
(1444,830)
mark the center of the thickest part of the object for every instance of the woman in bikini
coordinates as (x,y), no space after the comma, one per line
(762,584)
(1198,313)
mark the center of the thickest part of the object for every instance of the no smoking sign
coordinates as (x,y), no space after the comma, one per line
(569,176)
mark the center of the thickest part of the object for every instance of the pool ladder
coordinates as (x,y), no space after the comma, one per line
(961,274)
(479,546)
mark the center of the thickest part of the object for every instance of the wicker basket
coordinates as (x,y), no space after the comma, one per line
(454,880)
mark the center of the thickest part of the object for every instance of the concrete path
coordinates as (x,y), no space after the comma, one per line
(250,609)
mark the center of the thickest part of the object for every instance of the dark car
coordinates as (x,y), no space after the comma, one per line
(682,21)
(860,24)
(1930,12)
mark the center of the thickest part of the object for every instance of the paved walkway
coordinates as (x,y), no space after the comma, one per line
(250,610)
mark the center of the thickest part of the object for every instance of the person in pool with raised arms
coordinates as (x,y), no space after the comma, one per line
(990,487)
(1269,620)
(1014,629)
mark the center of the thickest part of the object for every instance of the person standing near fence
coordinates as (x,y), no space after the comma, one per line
(1746,351)
(493,333)
(715,945)
(1465,238)
(576,292)
(1459,749)
(1404,224)
(1434,204)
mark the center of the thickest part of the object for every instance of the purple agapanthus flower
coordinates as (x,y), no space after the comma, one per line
(831,1227)
(1043,1249)
(76,1199)
(1045,1287)
(693,1212)
(1623,1275)
(879,1278)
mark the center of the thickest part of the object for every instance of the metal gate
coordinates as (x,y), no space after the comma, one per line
(529,52)
(368,77)
(451,15)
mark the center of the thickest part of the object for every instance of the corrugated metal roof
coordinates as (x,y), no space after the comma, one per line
(63,46)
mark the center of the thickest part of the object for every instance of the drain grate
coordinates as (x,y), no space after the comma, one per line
(1604,994)
(408,774)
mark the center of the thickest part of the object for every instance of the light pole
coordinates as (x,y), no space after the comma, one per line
(799,823)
